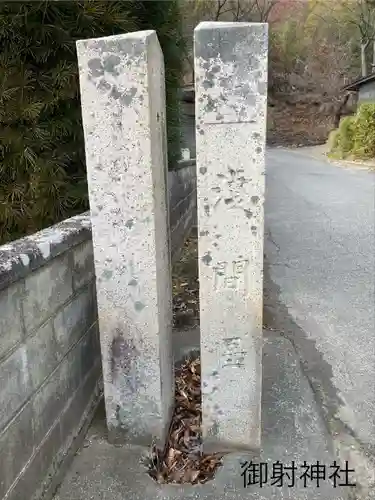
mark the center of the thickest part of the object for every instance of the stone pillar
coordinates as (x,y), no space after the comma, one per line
(123,109)
(231,97)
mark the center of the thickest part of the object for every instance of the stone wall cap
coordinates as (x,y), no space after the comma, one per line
(20,257)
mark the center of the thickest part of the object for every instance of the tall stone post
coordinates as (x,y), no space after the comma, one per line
(231,97)
(123,110)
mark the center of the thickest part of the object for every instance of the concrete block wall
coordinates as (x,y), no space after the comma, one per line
(50,365)
(182,187)
(50,368)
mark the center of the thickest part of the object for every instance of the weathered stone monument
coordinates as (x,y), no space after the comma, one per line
(123,109)
(231,95)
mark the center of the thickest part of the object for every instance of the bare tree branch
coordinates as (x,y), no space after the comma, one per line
(237,13)
(360,14)
(220,5)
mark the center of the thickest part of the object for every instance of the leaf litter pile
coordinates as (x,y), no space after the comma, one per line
(182,460)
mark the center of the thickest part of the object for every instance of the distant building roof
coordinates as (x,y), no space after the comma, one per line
(361,81)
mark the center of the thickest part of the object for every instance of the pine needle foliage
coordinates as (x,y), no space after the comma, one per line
(165,17)
(42,162)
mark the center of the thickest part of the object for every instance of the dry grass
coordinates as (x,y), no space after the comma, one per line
(297,123)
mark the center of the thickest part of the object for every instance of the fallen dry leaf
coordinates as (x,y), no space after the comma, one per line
(183,460)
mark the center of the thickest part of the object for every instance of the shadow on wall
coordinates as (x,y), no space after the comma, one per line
(188,120)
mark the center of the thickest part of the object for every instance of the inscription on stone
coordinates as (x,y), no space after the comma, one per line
(233,355)
(230,86)
(231,275)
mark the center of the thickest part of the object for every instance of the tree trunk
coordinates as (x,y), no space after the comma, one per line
(339,111)
(363,59)
(373,57)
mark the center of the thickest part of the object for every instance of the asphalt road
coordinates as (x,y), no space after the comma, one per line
(319,280)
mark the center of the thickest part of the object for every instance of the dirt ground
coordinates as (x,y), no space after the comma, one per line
(320,152)
(185,284)
(298,124)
